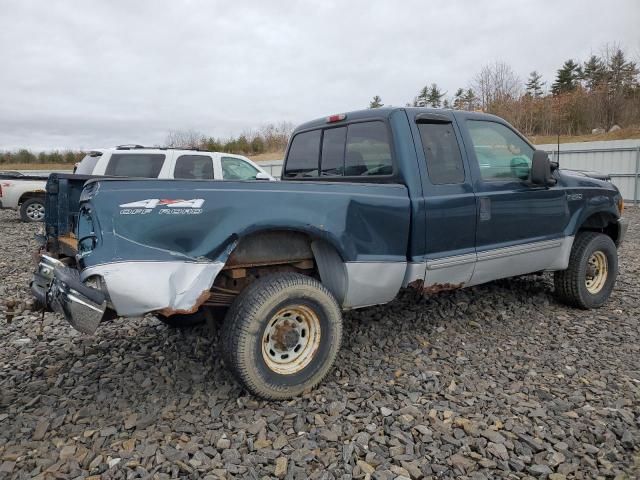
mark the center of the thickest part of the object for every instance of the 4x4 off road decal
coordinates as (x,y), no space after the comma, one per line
(166,206)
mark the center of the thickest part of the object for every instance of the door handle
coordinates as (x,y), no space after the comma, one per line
(485,209)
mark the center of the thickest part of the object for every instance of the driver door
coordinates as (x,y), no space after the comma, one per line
(520,227)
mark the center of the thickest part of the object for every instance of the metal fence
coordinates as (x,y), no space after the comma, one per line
(620,162)
(274,167)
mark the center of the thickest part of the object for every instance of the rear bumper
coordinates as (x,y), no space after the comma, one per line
(59,288)
(623,225)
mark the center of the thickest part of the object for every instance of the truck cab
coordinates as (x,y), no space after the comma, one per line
(476,213)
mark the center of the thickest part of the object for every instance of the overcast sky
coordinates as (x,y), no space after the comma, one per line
(82,74)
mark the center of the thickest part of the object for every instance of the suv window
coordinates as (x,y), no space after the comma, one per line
(237,169)
(147,165)
(501,153)
(302,160)
(87,164)
(442,152)
(194,167)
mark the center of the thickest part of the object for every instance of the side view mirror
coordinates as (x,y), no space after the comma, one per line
(263,176)
(541,169)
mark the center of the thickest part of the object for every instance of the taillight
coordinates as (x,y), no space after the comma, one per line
(336,118)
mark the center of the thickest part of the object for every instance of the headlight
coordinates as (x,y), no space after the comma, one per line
(620,205)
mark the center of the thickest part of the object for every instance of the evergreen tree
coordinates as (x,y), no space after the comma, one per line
(422,100)
(567,78)
(458,99)
(470,100)
(257,144)
(622,75)
(535,85)
(376,102)
(434,96)
(594,72)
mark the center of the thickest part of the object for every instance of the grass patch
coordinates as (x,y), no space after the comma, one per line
(623,134)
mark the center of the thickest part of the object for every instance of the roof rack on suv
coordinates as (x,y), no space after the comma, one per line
(133,146)
(130,146)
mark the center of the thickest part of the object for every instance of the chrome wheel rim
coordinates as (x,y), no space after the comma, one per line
(597,271)
(35,211)
(291,339)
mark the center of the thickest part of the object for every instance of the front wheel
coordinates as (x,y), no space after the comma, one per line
(282,334)
(593,267)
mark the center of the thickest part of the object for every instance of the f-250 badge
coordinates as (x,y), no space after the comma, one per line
(166,206)
(574,196)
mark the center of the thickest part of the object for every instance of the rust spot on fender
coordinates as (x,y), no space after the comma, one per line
(435,288)
(202,298)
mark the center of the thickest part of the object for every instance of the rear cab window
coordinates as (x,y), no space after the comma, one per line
(357,150)
(144,165)
(304,153)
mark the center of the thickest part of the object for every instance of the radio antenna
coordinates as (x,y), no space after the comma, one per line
(558,154)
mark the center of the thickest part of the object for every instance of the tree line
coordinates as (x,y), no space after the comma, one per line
(590,95)
(594,93)
(269,138)
(24,156)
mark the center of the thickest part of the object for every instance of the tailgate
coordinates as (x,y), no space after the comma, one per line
(62,205)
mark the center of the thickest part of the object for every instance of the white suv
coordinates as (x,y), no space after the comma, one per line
(138,161)
(26,193)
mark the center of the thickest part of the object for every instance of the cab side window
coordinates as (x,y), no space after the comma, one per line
(191,167)
(442,152)
(502,155)
(368,151)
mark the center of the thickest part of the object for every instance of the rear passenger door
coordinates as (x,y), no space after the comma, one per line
(449,200)
(194,167)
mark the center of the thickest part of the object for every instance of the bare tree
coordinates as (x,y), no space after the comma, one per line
(184,139)
(495,84)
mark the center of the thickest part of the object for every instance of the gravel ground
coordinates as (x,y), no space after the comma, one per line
(497,381)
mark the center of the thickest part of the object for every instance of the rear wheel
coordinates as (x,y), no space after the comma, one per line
(591,275)
(282,335)
(32,210)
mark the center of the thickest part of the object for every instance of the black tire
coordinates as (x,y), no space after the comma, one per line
(183,320)
(250,319)
(32,210)
(571,284)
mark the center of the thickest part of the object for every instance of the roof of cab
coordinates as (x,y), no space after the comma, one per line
(385,112)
